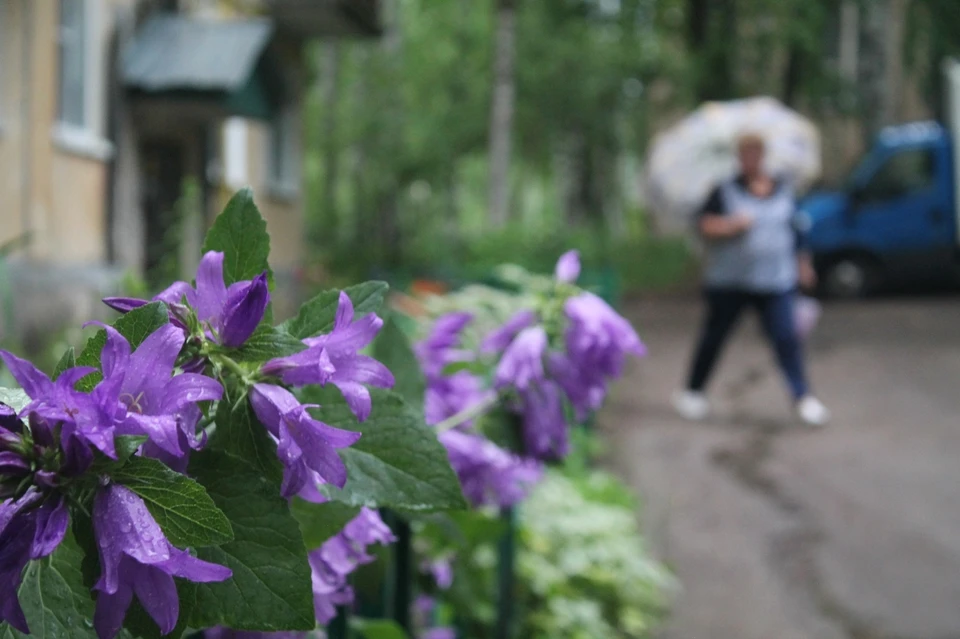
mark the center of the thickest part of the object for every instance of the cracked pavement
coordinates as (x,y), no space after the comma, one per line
(777,531)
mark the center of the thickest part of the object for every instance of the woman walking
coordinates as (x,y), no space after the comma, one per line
(755,258)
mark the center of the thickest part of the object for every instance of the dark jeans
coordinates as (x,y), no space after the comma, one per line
(776,315)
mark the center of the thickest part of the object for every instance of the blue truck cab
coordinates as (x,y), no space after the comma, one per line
(895,219)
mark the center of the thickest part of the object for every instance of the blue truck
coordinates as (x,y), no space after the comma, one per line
(895,220)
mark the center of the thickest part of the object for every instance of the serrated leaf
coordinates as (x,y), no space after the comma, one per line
(181,506)
(266,343)
(240,433)
(397,463)
(320,522)
(377,628)
(240,233)
(135,326)
(393,349)
(318,314)
(67,360)
(54,597)
(15,398)
(271,585)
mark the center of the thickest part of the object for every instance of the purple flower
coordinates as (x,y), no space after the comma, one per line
(545,433)
(499,339)
(441,569)
(339,556)
(230,314)
(304,444)
(87,419)
(447,396)
(157,404)
(598,338)
(334,358)
(136,558)
(568,267)
(488,474)
(522,363)
(439,349)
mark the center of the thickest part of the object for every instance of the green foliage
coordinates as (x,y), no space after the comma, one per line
(265,344)
(54,597)
(15,398)
(240,232)
(320,522)
(68,360)
(377,629)
(398,463)
(181,506)
(392,348)
(270,588)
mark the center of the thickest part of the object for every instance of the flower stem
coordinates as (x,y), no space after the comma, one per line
(467,414)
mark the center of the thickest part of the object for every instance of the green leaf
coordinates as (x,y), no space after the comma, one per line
(126,446)
(54,597)
(318,314)
(271,585)
(240,233)
(15,398)
(377,628)
(398,463)
(393,349)
(68,360)
(180,505)
(320,522)
(135,326)
(240,433)
(266,343)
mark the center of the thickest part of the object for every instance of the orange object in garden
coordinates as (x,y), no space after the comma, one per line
(428,287)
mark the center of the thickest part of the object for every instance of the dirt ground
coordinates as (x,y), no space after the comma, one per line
(777,531)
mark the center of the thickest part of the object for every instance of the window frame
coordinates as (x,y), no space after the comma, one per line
(867,198)
(283,153)
(84,138)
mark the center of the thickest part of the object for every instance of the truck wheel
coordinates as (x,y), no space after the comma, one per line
(850,278)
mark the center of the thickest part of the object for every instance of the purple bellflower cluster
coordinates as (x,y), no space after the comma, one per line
(489,475)
(594,347)
(47,449)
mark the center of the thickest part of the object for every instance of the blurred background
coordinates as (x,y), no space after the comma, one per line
(425,142)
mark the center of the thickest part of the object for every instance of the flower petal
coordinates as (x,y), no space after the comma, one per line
(271,403)
(568,267)
(344,311)
(111,611)
(184,565)
(189,388)
(124,304)
(243,311)
(158,596)
(151,365)
(499,339)
(211,291)
(357,397)
(175,293)
(162,430)
(30,378)
(364,370)
(52,521)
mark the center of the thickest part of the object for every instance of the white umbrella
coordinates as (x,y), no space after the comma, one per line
(691,158)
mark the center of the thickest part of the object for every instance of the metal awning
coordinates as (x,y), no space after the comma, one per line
(216,61)
(327,18)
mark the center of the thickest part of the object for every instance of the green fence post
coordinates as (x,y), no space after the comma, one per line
(507,550)
(400,580)
(338,627)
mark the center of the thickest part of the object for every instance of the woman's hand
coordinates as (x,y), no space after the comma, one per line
(723,227)
(806,272)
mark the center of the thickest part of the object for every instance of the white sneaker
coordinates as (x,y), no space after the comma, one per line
(812,411)
(691,405)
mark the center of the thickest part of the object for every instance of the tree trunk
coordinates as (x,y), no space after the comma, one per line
(501,113)
(877,103)
(330,83)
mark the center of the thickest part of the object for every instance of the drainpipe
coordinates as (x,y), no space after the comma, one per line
(27,134)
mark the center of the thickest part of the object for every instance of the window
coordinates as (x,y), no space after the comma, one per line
(81,94)
(283,161)
(235,153)
(903,173)
(72,40)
